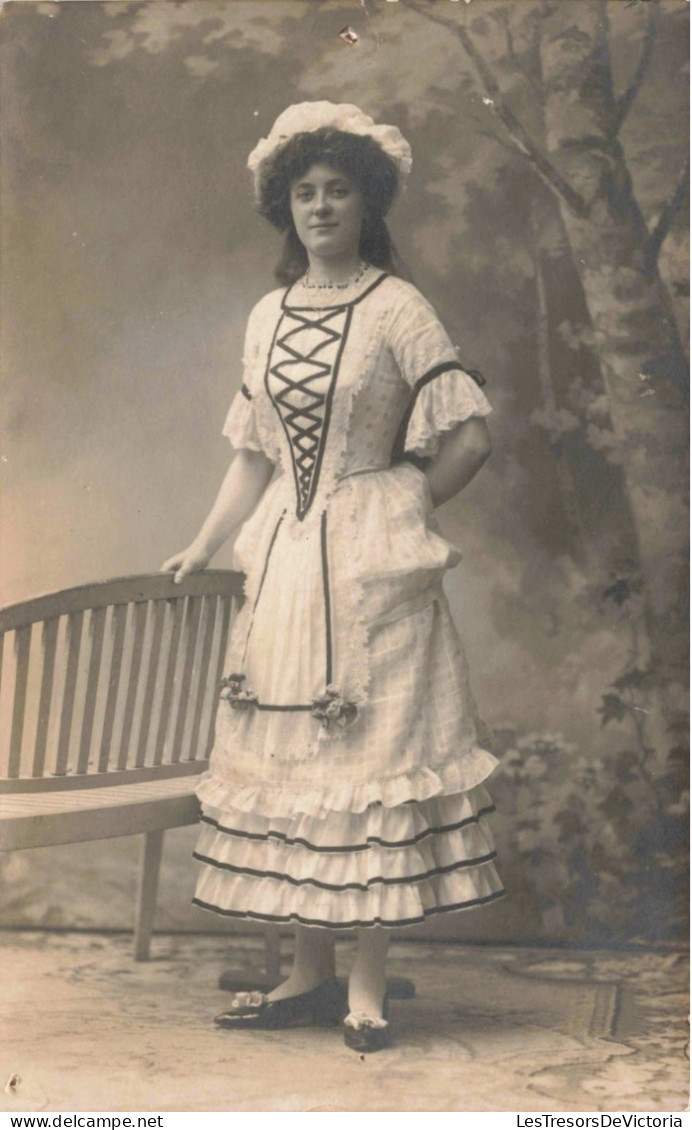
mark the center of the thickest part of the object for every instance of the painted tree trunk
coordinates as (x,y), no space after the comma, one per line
(636,336)
(565,477)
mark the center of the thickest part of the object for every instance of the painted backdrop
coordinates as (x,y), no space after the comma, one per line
(544,220)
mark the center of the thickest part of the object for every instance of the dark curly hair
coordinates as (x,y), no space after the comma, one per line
(357,157)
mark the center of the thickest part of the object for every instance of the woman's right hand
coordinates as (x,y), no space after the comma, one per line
(190,560)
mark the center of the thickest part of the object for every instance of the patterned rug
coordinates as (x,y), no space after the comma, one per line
(490,1029)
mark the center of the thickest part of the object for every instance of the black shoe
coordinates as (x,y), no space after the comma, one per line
(367,1034)
(323,1007)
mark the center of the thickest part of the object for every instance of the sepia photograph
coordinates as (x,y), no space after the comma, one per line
(344,557)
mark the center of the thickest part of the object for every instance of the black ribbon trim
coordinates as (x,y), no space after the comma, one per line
(298,841)
(327,600)
(354,923)
(399,448)
(376,880)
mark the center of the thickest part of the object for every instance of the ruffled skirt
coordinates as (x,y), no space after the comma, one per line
(386,821)
(381,867)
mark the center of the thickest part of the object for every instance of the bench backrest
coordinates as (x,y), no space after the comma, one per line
(112,682)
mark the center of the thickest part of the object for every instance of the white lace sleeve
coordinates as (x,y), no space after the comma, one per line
(443,393)
(419,342)
(240,425)
(444,401)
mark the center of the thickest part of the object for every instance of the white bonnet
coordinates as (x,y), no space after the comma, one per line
(304,117)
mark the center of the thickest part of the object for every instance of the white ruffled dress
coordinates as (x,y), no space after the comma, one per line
(345,785)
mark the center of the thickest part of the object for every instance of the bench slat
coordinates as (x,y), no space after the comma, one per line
(226,609)
(192,619)
(49,636)
(147,705)
(140,618)
(118,623)
(98,623)
(22,645)
(74,638)
(210,609)
(169,680)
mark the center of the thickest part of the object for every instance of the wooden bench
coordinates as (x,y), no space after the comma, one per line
(108,695)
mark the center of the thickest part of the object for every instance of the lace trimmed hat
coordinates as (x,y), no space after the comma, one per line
(304,117)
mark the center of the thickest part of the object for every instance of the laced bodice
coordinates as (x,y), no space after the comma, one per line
(334,379)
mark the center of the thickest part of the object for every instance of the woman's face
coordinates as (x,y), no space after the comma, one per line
(327,210)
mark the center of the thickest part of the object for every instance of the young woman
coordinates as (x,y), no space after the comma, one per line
(345,787)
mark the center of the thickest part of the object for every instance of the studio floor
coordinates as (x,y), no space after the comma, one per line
(490,1029)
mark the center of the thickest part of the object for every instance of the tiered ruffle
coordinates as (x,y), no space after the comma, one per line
(382,866)
(313,798)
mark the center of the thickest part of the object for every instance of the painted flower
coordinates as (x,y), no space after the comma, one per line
(237,697)
(333,710)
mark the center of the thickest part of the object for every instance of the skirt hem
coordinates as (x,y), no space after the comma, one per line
(288,919)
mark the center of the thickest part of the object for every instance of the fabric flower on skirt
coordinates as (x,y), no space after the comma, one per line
(237,697)
(333,710)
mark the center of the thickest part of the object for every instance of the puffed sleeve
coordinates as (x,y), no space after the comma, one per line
(444,394)
(240,425)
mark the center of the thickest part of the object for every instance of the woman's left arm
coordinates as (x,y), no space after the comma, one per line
(463,451)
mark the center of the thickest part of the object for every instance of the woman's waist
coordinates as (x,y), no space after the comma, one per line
(375,502)
(378,467)
(366,469)
(284,492)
